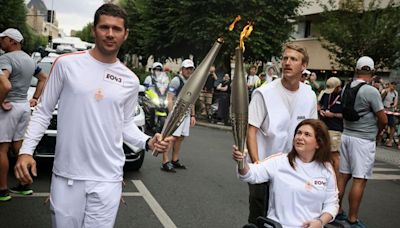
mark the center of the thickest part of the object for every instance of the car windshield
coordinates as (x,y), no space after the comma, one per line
(46,66)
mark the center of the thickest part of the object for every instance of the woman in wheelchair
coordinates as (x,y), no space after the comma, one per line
(303,191)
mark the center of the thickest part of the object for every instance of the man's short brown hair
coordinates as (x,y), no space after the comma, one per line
(113,10)
(295,47)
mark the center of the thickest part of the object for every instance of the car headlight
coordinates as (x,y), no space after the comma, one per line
(156,101)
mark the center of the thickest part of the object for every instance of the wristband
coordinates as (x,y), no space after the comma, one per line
(192,115)
(320,220)
(146,146)
(36,98)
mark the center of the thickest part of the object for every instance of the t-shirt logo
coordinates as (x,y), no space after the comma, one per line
(113,78)
(301,117)
(319,183)
(99,94)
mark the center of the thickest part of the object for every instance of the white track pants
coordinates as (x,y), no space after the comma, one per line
(83,204)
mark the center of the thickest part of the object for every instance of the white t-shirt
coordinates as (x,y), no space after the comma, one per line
(258,114)
(388,100)
(96,103)
(251,79)
(296,195)
(270,78)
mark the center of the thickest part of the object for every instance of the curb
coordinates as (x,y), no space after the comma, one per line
(391,156)
(215,126)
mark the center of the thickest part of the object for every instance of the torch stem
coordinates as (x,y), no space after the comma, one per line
(155,152)
(241,164)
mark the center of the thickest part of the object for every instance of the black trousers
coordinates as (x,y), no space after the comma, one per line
(258,201)
(223,106)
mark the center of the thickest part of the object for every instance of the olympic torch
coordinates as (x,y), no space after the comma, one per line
(240,98)
(190,92)
(240,104)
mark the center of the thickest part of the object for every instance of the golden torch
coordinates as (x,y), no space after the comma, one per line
(190,92)
(239,96)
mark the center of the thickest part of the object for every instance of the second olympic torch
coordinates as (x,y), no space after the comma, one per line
(240,104)
(190,92)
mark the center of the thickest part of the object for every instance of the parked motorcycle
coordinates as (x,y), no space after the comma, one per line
(155,106)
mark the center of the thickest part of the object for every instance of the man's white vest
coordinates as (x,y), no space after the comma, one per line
(282,124)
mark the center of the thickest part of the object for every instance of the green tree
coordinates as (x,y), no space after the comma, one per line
(32,40)
(13,15)
(86,33)
(131,45)
(167,28)
(352,30)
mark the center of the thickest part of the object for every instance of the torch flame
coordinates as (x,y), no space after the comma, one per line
(245,34)
(232,26)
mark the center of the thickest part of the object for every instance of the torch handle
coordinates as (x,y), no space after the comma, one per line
(241,164)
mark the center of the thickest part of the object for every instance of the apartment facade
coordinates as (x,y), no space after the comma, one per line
(306,35)
(37,19)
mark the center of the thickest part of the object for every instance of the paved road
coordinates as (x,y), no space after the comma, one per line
(208,194)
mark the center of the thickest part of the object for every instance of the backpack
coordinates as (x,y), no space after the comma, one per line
(348,100)
(181,84)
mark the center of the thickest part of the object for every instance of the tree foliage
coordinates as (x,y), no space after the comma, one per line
(352,31)
(86,33)
(13,15)
(167,28)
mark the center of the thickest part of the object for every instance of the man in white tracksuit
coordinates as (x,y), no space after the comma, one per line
(274,112)
(96,96)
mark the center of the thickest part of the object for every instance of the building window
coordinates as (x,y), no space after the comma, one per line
(299,30)
(307,29)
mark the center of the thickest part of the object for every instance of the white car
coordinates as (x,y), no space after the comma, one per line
(133,156)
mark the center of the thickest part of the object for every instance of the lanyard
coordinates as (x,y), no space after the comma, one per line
(331,104)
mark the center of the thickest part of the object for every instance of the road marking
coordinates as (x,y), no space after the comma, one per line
(385,177)
(385,169)
(46,194)
(35,194)
(379,173)
(151,201)
(143,192)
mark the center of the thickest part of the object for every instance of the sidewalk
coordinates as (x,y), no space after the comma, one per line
(389,155)
(221,126)
(384,154)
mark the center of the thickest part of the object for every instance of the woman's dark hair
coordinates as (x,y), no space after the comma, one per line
(323,153)
(110,10)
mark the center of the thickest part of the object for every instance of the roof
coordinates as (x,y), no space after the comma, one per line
(39,5)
